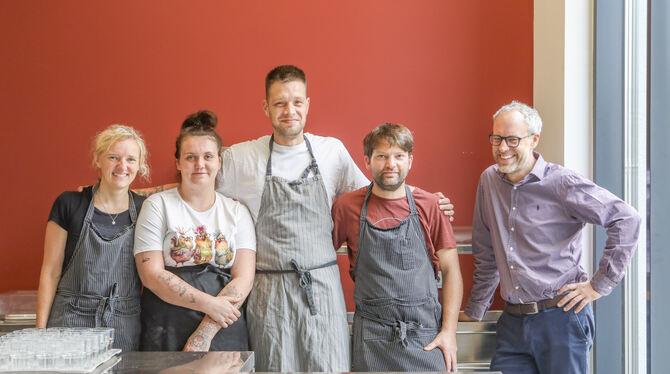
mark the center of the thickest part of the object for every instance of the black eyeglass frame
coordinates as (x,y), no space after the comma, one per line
(514,139)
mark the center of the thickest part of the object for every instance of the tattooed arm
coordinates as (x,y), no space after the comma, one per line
(146,192)
(235,292)
(172,289)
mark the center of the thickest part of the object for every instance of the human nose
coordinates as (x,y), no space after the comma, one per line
(289,109)
(503,146)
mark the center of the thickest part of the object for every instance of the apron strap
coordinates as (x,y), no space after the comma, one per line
(305,280)
(311,167)
(400,328)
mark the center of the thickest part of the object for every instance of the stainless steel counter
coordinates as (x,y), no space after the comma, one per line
(180,362)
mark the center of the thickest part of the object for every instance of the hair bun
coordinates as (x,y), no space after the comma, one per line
(200,119)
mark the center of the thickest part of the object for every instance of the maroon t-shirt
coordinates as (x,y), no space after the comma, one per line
(385,213)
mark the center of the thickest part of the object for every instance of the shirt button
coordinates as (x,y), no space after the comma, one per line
(513,208)
(511,248)
(512,229)
(516,287)
(511,267)
(515,187)
(609,287)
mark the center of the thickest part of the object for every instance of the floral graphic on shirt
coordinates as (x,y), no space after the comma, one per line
(182,247)
(224,252)
(203,246)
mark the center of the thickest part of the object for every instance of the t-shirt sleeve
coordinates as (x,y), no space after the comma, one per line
(151,227)
(60,211)
(226,174)
(441,232)
(339,226)
(352,178)
(245,236)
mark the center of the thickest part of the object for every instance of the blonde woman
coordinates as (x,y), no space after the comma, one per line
(88,276)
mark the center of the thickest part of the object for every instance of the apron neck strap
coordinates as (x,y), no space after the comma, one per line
(312,165)
(132,210)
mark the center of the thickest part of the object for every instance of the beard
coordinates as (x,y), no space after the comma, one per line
(290,132)
(390,184)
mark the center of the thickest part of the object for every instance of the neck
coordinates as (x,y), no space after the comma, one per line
(289,141)
(200,198)
(111,200)
(396,194)
(518,176)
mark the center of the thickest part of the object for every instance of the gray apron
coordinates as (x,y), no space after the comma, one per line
(100,286)
(296,311)
(397,308)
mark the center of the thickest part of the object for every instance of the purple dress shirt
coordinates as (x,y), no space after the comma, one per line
(527,236)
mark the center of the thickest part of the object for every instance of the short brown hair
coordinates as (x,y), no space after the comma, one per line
(393,133)
(283,73)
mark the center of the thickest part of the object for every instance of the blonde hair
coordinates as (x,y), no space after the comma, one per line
(115,133)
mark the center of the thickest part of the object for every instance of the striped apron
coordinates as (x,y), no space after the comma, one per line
(397,308)
(296,311)
(100,286)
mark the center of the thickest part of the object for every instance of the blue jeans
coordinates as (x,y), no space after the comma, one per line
(551,341)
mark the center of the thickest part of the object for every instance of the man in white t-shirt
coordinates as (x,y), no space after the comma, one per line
(296,311)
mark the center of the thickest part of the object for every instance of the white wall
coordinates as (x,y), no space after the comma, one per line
(563,88)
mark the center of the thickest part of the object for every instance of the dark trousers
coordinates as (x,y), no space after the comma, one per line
(551,341)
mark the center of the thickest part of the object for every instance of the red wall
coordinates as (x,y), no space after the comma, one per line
(70,68)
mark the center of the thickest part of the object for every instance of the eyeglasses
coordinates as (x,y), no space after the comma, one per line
(512,141)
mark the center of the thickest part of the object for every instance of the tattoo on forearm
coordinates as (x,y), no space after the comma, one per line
(231,290)
(180,287)
(146,192)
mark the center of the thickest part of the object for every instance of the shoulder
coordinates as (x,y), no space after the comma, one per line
(325,142)
(227,203)
(422,196)
(254,145)
(349,204)
(73,199)
(352,198)
(426,201)
(163,198)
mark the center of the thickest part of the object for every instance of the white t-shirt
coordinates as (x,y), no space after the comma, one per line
(242,176)
(188,237)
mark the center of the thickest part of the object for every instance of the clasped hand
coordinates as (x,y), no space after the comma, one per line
(223,311)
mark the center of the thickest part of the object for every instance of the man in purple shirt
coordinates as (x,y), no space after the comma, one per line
(526,234)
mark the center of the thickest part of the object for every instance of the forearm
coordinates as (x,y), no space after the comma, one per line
(45,296)
(452,295)
(152,190)
(174,290)
(237,289)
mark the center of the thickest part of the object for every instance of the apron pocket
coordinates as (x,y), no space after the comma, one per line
(408,260)
(127,307)
(80,312)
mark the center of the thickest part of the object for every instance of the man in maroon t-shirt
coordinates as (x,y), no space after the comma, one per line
(397,241)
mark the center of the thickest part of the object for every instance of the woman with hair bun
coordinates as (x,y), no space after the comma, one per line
(195,251)
(88,276)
